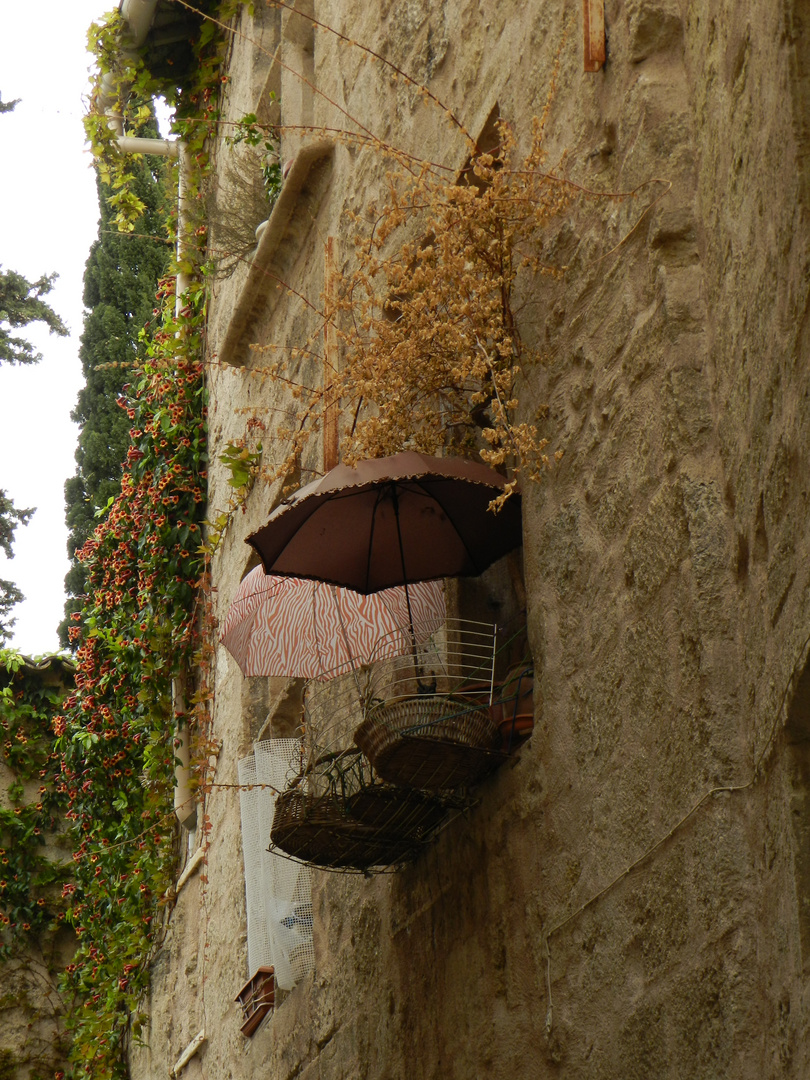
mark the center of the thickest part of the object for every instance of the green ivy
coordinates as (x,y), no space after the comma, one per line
(141,623)
(243,465)
(30,878)
(35,866)
(138,629)
(189,87)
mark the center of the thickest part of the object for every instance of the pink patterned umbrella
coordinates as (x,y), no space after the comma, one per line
(311,630)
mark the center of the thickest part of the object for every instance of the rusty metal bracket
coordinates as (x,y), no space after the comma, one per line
(593,28)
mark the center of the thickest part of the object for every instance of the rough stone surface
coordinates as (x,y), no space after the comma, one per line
(629,898)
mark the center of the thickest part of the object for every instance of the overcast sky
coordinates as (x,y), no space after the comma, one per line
(48,220)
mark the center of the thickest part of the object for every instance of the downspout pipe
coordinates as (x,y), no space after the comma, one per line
(128,144)
(183,186)
(185,803)
(138,15)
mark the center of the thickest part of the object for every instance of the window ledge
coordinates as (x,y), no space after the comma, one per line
(260,278)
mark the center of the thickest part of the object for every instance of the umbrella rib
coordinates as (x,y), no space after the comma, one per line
(402,558)
(377,500)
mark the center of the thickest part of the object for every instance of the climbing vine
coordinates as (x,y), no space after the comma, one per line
(137,629)
(125,83)
(29,700)
(426,312)
(247,130)
(433,354)
(35,865)
(432,357)
(143,620)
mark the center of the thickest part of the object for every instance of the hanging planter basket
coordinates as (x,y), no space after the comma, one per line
(398,812)
(373,827)
(430,741)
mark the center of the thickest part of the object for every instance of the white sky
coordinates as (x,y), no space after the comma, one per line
(48,220)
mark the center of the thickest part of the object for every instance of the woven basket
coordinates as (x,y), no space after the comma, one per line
(432,742)
(341,774)
(319,829)
(396,810)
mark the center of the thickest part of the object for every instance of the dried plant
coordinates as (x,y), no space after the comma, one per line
(236,203)
(432,354)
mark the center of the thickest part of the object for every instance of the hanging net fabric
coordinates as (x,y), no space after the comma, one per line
(278,890)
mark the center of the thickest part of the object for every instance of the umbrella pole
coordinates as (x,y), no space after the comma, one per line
(422,687)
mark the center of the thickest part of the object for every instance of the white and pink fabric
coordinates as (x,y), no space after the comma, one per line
(305,629)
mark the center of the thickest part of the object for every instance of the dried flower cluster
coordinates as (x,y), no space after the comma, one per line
(432,355)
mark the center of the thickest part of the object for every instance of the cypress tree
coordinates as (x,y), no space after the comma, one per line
(120,281)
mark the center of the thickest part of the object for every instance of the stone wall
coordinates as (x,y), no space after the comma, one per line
(629,897)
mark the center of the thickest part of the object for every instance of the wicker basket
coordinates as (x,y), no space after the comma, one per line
(319,829)
(432,742)
(392,809)
(342,773)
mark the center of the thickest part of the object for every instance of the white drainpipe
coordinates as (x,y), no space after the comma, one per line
(131,144)
(185,803)
(138,15)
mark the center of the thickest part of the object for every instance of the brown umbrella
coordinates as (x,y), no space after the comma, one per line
(390,521)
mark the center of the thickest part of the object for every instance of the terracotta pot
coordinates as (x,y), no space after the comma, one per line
(257,998)
(513,708)
(515,731)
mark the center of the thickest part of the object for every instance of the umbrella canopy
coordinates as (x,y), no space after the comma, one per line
(391,521)
(310,630)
